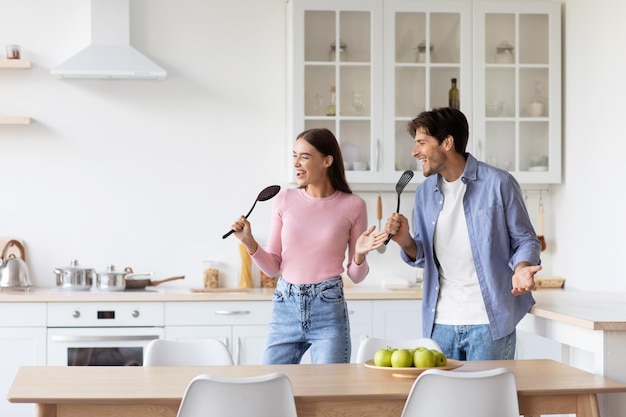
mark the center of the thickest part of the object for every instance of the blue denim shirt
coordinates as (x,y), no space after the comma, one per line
(500,234)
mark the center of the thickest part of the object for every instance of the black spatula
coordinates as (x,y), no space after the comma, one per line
(402,182)
(266,194)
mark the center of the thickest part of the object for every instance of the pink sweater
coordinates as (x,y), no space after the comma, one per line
(309,236)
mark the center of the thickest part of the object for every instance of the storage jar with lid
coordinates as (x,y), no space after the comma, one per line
(504,53)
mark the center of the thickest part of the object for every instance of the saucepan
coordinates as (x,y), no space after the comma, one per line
(112,280)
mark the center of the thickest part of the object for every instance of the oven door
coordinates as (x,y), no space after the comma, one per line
(103,346)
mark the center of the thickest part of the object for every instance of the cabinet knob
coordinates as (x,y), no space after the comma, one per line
(76,314)
(135,313)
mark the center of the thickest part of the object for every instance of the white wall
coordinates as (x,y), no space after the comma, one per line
(151,173)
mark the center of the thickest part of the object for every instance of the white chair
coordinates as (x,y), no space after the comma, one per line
(268,395)
(435,392)
(204,352)
(369,346)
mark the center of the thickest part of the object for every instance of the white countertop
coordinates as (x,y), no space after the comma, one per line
(185,294)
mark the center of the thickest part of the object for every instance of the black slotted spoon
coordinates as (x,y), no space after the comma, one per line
(402,182)
(266,194)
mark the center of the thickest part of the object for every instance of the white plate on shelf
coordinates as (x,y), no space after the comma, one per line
(539,168)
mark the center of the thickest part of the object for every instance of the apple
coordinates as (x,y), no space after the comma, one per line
(382,357)
(424,358)
(401,358)
(440,358)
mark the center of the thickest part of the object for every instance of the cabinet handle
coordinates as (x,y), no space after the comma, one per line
(79,338)
(237,353)
(231,312)
(378,154)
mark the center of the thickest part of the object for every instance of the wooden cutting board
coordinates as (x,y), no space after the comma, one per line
(220,289)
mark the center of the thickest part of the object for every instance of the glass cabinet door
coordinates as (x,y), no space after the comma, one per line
(518,88)
(340,78)
(427,46)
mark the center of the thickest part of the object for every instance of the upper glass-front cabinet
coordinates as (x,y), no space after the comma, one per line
(337,78)
(428,44)
(362,69)
(365,68)
(517,69)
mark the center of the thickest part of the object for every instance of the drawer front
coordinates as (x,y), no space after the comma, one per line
(22,314)
(202,313)
(122,314)
(360,312)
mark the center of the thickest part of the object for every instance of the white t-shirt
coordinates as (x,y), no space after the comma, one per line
(460,300)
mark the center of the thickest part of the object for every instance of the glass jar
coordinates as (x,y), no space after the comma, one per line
(421,52)
(332,54)
(504,53)
(211,274)
(13,52)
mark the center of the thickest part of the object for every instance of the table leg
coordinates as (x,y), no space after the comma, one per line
(46,410)
(587,405)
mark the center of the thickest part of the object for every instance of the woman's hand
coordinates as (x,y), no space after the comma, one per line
(367,242)
(243,231)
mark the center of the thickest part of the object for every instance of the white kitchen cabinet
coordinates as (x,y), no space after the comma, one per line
(397,319)
(517,94)
(22,343)
(388,60)
(380,83)
(241,325)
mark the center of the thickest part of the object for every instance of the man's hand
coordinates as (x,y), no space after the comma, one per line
(524,278)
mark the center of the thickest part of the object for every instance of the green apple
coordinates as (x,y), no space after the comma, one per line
(424,358)
(440,358)
(382,357)
(401,358)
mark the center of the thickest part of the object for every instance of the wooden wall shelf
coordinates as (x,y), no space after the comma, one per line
(15,63)
(14,120)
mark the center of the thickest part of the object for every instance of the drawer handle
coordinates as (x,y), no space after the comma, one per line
(231,312)
(79,338)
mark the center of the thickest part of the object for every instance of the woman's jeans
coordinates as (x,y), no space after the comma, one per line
(473,342)
(308,315)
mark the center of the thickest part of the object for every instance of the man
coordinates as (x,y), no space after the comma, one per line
(474,239)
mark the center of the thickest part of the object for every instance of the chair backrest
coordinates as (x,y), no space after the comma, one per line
(268,395)
(439,393)
(204,352)
(369,346)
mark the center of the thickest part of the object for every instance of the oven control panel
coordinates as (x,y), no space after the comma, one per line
(82,314)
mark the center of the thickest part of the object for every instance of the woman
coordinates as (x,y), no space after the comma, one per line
(312,226)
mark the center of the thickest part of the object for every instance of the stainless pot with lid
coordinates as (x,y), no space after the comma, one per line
(112,280)
(74,277)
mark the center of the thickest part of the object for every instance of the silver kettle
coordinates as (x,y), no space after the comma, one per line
(13,270)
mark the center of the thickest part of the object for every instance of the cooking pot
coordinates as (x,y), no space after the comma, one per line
(113,280)
(74,277)
(13,270)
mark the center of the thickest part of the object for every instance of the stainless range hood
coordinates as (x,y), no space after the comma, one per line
(110,55)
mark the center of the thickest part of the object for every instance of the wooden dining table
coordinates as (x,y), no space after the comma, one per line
(543,386)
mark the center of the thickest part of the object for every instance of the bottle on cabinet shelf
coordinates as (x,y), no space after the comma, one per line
(453,96)
(331,109)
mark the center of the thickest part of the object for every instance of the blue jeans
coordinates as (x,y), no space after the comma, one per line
(473,343)
(308,316)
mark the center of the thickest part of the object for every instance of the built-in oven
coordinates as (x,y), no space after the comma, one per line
(102,334)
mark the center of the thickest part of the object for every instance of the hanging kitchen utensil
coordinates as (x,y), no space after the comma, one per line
(266,194)
(540,235)
(405,178)
(379,216)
